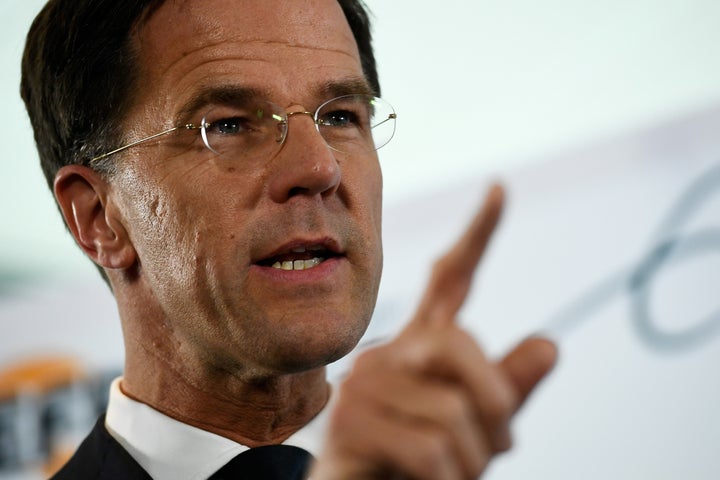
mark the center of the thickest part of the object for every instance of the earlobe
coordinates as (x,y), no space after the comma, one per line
(84,200)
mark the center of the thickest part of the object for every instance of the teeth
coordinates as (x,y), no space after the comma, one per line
(298,264)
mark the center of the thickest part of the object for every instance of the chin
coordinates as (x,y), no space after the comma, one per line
(308,352)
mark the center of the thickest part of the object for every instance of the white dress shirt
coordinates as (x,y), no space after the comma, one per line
(171,450)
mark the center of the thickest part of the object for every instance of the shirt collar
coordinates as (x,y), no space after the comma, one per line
(169,449)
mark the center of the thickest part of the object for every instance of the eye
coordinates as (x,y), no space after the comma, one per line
(237,129)
(339,118)
(356,123)
(230,126)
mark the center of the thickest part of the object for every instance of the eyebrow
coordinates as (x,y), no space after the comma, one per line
(347,87)
(219,95)
(238,95)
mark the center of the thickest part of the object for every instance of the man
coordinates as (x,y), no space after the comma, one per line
(213,159)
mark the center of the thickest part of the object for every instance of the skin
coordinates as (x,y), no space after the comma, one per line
(216,339)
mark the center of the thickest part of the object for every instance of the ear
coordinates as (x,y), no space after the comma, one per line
(93,219)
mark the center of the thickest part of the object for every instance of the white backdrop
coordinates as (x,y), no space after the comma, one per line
(596,116)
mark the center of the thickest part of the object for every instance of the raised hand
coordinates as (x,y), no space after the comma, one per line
(429,404)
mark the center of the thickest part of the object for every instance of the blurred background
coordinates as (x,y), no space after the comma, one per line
(601,119)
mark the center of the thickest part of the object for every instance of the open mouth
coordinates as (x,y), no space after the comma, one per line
(299,258)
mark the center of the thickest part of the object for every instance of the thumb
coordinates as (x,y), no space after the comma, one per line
(528,363)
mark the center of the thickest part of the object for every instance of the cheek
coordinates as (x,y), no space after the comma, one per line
(161,226)
(372,198)
(369,214)
(170,243)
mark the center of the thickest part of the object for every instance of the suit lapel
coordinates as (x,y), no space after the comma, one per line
(101,457)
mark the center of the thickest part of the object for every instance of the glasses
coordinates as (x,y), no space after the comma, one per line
(257,128)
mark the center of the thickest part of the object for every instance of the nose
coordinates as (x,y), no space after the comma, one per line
(305,165)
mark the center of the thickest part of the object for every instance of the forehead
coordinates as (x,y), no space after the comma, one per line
(285,48)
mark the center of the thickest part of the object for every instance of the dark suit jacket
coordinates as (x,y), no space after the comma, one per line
(101,457)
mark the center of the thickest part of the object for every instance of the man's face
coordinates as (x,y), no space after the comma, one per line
(208,229)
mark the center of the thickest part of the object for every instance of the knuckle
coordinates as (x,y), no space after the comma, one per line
(455,407)
(463,339)
(501,406)
(359,388)
(363,361)
(371,359)
(498,409)
(348,388)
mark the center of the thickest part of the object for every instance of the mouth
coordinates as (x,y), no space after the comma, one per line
(300,257)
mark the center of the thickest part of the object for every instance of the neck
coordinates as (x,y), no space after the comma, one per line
(251,410)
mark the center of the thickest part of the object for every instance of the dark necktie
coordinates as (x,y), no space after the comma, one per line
(271,462)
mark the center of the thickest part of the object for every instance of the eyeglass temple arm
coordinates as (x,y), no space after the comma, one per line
(392,116)
(189,126)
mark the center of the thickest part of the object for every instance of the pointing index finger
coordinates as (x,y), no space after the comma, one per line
(452,273)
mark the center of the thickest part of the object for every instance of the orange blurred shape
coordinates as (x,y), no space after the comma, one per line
(58,458)
(39,375)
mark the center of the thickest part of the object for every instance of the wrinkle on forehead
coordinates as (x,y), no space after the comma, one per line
(274,23)
(186,42)
(216,52)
